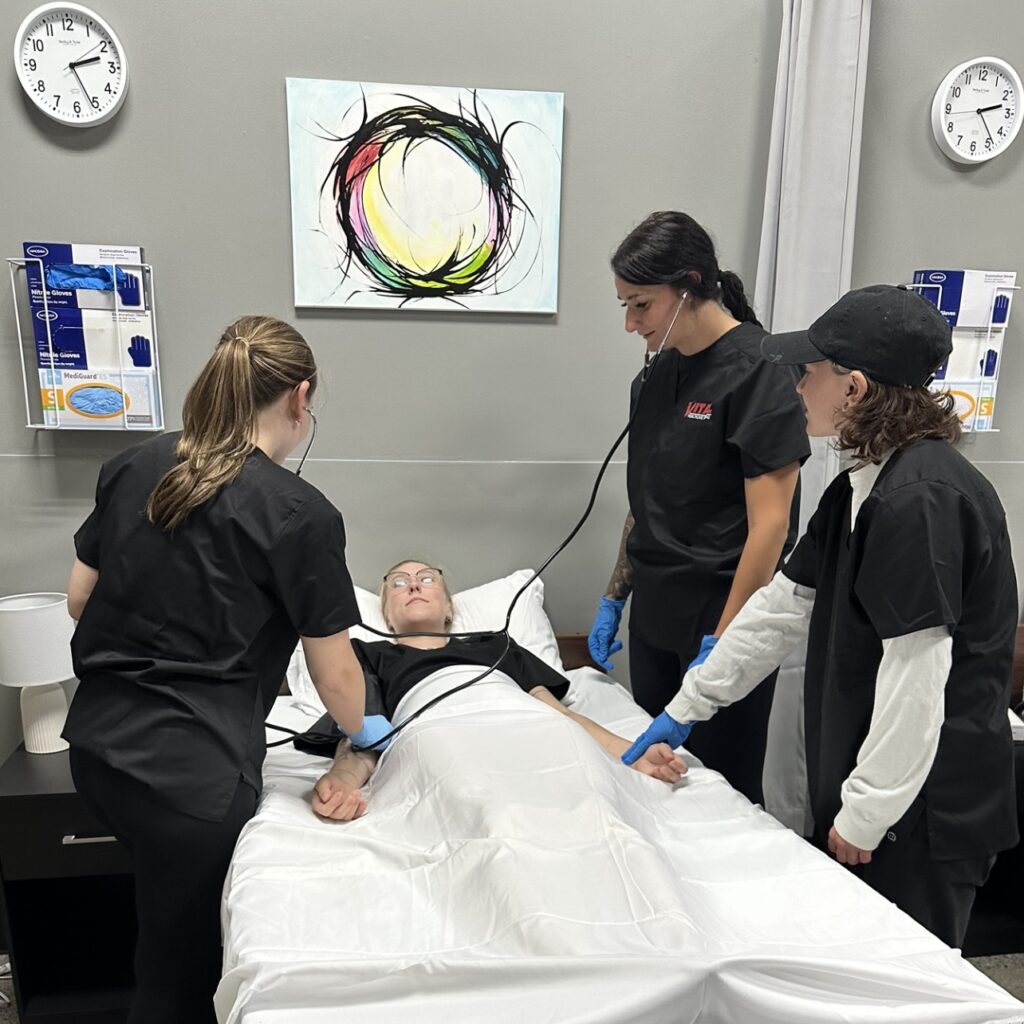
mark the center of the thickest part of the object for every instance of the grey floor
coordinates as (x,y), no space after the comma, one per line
(1007,971)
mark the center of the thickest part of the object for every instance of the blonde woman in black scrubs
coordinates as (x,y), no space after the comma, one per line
(200,567)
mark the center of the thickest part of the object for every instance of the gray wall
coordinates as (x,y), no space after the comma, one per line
(917,209)
(487,457)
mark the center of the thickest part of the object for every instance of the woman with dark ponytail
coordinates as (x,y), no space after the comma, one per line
(714,456)
(201,566)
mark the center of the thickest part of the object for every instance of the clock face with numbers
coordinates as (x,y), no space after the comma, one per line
(71,64)
(976,112)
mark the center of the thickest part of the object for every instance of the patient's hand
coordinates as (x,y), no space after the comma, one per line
(660,762)
(336,796)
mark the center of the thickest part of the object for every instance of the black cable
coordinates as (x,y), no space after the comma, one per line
(292,733)
(312,438)
(648,368)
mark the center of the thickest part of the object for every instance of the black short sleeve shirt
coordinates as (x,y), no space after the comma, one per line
(186,637)
(397,668)
(705,424)
(930,548)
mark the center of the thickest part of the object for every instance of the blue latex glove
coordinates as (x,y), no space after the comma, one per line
(707,645)
(375,727)
(664,729)
(100,400)
(83,275)
(602,642)
(128,289)
(141,351)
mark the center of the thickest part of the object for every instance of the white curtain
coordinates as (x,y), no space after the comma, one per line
(805,265)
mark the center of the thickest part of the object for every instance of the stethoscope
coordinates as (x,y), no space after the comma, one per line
(312,438)
(650,361)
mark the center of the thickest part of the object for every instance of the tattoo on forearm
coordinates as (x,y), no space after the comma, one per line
(620,586)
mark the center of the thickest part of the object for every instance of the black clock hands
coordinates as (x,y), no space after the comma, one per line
(73,68)
(81,84)
(981,114)
(980,110)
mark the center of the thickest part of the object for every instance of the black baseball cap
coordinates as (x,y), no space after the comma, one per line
(886,331)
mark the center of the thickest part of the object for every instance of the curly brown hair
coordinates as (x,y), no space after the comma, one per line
(890,416)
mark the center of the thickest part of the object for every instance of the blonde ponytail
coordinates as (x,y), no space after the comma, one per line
(257,359)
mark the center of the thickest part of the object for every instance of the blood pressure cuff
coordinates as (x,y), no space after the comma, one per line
(323,737)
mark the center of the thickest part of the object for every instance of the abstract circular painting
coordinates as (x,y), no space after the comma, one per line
(424,197)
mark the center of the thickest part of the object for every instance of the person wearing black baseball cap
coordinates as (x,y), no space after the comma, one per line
(904,589)
(889,333)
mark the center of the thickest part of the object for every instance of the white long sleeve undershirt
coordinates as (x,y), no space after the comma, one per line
(897,753)
(899,749)
(772,622)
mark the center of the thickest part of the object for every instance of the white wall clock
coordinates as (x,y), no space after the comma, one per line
(71,64)
(976,112)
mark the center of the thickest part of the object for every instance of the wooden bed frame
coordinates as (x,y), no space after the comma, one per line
(573,650)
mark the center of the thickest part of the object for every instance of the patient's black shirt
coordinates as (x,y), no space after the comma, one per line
(397,668)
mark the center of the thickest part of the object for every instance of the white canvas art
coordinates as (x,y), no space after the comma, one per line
(424,197)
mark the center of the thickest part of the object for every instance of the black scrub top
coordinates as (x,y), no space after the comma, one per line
(705,424)
(187,635)
(930,548)
(396,668)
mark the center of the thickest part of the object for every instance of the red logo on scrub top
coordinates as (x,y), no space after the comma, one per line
(698,411)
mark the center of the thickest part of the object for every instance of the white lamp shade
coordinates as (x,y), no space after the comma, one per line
(35,639)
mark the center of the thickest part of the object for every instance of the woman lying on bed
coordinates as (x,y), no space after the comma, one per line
(415,597)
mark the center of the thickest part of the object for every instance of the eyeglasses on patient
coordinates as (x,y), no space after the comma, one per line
(425,578)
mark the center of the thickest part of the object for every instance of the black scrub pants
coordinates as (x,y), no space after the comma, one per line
(180,864)
(733,742)
(938,894)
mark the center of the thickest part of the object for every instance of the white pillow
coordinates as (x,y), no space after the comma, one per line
(370,613)
(479,608)
(486,606)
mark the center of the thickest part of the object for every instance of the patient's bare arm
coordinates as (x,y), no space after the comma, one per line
(659,761)
(337,794)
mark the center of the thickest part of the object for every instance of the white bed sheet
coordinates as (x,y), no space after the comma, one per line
(508,870)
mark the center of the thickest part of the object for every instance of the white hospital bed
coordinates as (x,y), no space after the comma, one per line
(507,870)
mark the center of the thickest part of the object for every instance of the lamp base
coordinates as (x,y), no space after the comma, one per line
(43,712)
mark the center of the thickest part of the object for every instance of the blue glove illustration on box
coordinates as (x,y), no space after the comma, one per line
(141,351)
(601,642)
(1000,309)
(128,289)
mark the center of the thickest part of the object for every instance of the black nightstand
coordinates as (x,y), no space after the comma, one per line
(68,898)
